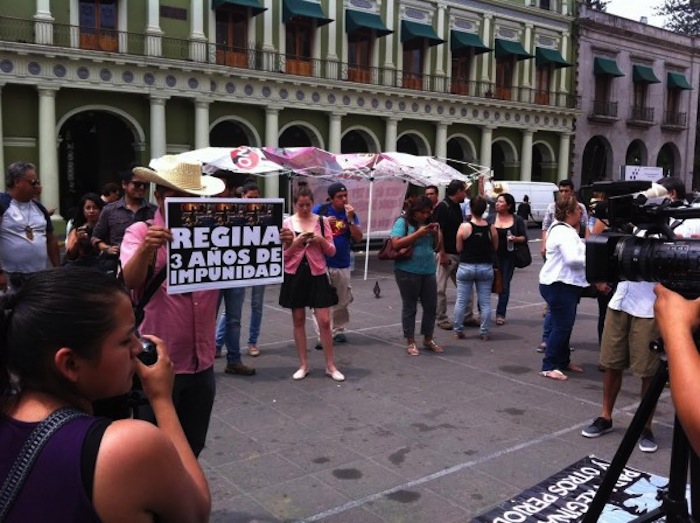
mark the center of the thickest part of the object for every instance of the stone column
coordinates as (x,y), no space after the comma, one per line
(487,75)
(564,71)
(441,140)
(158,137)
(392,126)
(201,124)
(486,141)
(43,23)
(198,40)
(272,132)
(335,131)
(153,31)
(563,164)
(526,156)
(440,51)
(389,67)
(48,148)
(527,65)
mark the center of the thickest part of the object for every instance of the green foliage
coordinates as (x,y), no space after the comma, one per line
(682,16)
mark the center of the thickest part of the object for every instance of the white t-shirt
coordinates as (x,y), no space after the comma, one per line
(566,257)
(21,250)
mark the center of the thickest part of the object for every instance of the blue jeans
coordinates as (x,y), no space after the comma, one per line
(414,288)
(257,299)
(563,301)
(228,329)
(481,275)
(507,266)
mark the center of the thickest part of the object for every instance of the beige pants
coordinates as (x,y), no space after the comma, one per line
(340,315)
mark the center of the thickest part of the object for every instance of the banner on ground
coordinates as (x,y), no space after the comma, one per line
(566,496)
(223,242)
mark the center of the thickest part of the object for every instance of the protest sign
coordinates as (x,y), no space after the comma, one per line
(566,496)
(223,242)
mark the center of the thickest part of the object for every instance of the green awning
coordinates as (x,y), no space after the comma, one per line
(641,74)
(606,67)
(544,56)
(462,40)
(511,48)
(414,31)
(677,81)
(254,5)
(304,9)
(357,20)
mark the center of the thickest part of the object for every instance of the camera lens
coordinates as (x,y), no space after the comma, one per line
(148,354)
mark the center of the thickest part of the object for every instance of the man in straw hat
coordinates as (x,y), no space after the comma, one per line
(185,321)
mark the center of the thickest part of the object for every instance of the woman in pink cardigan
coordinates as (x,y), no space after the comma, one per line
(306,283)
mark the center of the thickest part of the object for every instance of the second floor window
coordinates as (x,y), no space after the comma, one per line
(299,36)
(413,52)
(505,70)
(231,36)
(543,82)
(461,68)
(98,25)
(359,56)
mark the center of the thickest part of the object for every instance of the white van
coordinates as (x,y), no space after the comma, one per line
(541,194)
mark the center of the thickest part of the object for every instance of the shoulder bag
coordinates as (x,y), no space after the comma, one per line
(523,258)
(387,252)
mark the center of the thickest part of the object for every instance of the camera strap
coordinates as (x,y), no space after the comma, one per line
(148,293)
(22,466)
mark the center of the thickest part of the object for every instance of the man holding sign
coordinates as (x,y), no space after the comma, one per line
(184,321)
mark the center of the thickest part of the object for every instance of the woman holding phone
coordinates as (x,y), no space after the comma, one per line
(306,283)
(416,276)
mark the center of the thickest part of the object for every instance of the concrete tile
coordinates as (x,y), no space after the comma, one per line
(259,471)
(360,478)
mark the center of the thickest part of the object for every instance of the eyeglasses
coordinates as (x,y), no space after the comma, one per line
(139,185)
(34,183)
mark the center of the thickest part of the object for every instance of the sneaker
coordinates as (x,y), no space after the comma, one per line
(340,338)
(240,369)
(599,427)
(647,443)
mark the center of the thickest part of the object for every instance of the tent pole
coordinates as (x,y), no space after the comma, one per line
(369,222)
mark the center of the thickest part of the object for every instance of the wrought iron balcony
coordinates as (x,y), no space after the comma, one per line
(640,113)
(253,58)
(604,108)
(675,119)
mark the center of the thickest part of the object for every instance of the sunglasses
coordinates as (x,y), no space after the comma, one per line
(139,185)
(34,183)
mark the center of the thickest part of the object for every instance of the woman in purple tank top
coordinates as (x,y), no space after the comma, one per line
(67,339)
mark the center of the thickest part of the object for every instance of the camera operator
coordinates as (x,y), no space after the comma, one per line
(677,319)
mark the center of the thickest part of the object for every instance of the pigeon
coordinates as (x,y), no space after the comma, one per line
(376,290)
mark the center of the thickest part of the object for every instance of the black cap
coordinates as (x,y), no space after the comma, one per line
(335,188)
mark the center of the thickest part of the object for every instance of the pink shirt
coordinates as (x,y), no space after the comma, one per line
(186,322)
(314,253)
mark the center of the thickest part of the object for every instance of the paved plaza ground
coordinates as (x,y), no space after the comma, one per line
(434,438)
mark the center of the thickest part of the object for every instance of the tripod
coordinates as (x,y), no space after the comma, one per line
(673,502)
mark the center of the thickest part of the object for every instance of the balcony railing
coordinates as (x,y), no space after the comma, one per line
(639,113)
(252,58)
(675,118)
(605,108)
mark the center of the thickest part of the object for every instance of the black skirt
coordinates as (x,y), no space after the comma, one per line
(303,289)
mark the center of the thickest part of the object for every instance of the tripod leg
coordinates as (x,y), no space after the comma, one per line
(629,441)
(694,484)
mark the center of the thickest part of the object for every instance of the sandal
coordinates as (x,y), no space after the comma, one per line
(555,374)
(500,320)
(432,346)
(412,350)
(574,368)
(253,350)
(459,335)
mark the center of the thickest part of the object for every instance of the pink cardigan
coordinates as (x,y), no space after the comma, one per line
(315,254)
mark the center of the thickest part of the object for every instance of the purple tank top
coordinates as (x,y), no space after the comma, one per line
(54,490)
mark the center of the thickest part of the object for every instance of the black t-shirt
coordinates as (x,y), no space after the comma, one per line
(449,215)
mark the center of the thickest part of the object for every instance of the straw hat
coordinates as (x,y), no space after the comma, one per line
(187,177)
(498,188)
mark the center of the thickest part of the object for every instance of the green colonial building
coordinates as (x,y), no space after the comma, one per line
(89,87)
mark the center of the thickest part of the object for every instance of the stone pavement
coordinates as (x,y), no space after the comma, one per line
(433,438)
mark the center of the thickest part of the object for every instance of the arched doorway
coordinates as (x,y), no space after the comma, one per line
(459,153)
(407,144)
(230,133)
(636,153)
(296,136)
(668,159)
(596,162)
(356,141)
(95,147)
(543,167)
(503,160)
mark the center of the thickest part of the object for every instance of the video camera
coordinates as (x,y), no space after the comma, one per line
(618,254)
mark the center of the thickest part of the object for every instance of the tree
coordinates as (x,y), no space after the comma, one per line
(598,5)
(682,16)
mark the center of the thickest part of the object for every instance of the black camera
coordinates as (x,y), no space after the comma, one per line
(148,354)
(619,255)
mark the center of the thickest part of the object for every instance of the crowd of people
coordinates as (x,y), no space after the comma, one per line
(87,350)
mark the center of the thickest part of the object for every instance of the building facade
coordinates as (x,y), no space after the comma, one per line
(639,106)
(92,86)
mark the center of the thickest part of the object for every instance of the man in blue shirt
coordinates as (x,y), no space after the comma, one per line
(346,229)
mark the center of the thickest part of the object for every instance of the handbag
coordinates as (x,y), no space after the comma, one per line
(523,258)
(331,289)
(387,252)
(497,284)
